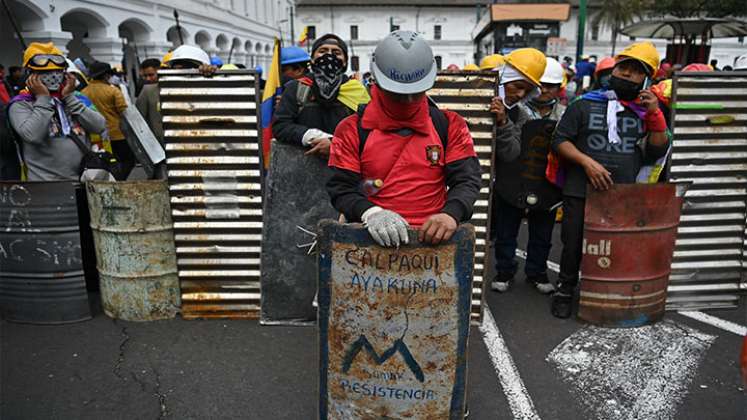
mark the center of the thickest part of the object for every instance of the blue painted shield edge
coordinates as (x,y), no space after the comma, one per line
(331,231)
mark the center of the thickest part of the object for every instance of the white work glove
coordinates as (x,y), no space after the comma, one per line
(386,227)
(313,133)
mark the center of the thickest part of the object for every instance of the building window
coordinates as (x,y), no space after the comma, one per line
(437,32)
(355,63)
(438,61)
(595,33)
(311,32)
(353,32)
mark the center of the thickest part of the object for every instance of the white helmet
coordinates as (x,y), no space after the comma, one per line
(403,63)
(72,68)
(191,53)
(741,62)
(554,72)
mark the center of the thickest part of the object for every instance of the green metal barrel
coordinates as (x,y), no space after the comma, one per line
(135,255)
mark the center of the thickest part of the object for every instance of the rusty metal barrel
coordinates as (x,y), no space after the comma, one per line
(41,268)
(135,254)
(629,235)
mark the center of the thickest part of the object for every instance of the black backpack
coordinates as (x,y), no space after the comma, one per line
(440,122)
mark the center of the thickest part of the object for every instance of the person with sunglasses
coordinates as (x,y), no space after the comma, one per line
(47,114)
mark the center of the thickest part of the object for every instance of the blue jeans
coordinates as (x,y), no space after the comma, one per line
(505,226)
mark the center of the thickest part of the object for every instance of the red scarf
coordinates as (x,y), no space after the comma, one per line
(385,114)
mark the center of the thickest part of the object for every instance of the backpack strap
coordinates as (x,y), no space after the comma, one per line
(303,91)
(362,132)
(440,122)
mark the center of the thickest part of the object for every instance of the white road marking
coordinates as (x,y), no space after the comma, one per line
(716,322)
(519,401)
(632,373)
(551,265)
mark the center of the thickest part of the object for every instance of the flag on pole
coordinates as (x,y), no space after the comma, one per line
(304,36)
(271,91)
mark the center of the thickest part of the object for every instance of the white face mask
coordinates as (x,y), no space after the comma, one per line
(52,79)
(502,94)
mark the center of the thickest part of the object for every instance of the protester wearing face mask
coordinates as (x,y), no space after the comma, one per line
(407,151)
(521,190)
(312,106)
(519,82)
(110,102)
(606,137)
(47,113)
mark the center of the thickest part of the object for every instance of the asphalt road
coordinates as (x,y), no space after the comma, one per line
(106,369)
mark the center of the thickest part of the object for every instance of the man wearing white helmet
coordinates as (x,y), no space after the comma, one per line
(521,189)
(393,160)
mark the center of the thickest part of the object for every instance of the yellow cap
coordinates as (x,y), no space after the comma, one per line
(492,61)
(37,48)
(471,67)
(645,52)
(529,62)
(229,66)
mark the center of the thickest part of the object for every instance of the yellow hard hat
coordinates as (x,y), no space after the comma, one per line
(645,52)
(166,58)
(471,67)
(492,61)
(529,62)
(40,56)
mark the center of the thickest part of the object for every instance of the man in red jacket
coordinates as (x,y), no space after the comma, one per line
(394,159)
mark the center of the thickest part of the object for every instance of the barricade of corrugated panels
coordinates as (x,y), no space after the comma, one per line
(469,95)
(213,156)
(710,150)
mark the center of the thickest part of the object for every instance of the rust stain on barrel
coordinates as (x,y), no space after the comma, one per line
(135,253)
(629,235)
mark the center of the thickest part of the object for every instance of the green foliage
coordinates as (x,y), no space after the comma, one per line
(699,8)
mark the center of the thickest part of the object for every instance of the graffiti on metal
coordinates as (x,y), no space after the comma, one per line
(393,326)
(41,268)
(627,249)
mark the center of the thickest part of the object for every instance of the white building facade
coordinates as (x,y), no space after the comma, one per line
(99,29)
(447,25)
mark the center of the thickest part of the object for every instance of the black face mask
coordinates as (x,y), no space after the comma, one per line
(625,89)
(328,72)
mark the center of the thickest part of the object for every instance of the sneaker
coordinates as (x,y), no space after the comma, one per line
(541,283)
(502,281)
(561,304)
(466,411)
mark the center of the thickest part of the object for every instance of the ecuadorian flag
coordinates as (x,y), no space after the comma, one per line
(271,91)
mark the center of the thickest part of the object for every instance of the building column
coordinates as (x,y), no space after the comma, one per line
(59,39)
(107,50)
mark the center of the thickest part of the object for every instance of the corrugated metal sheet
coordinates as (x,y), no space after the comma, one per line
(709,258)
(469,95)
(213,156)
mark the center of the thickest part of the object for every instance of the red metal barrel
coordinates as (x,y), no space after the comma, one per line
(629,235)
